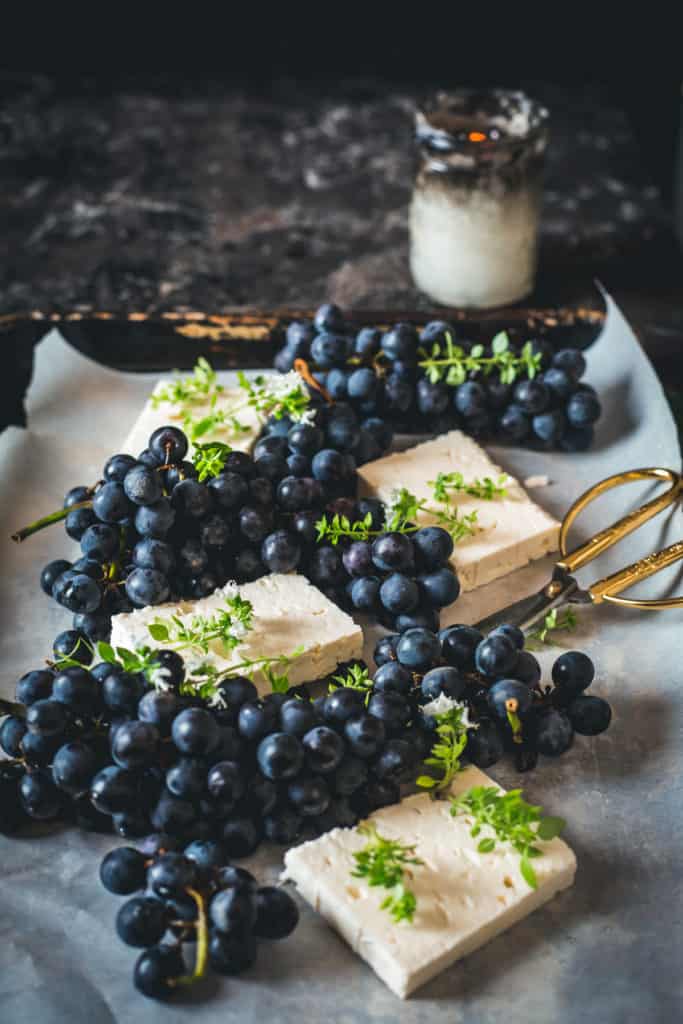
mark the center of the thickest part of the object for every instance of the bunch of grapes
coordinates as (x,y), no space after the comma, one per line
(500,682)
(160,528)
(106,747)
(191,896)
(436,380)
(402,579)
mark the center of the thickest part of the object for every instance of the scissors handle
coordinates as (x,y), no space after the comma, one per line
(607,589)
(573,560)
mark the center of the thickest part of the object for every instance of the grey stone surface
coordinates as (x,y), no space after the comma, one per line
(607,950)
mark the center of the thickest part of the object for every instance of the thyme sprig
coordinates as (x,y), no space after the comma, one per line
(277,396)
(216,419)
(452,723)
(512,820)
(228,626)
(356,677)
(452,363)
(405,507)
(143,661)
(556,621)
(383,862)
(338,527)
(201,387)
(209,459)
(486,488)
(205,680)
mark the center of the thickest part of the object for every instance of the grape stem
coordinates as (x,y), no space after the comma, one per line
(202,954)
(54,517)
(9,707)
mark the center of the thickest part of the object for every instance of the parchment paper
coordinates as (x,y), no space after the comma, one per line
(606,950)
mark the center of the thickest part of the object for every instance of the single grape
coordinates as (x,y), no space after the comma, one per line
(495,656)
(572,673)
(232,954)
(74,767)
(168,444)
(554,733)
(39,796)
(365,735)
(124,871)
(52,571)
(418,649)
(484,745)
(589,715)
(309,795)
(443,680)
(141,921)
(156,971)
(110,503)
(147,586)
(33,686)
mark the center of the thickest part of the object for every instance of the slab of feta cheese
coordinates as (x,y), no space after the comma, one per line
(153,416)
(464,898)
(288,612)
(512,530)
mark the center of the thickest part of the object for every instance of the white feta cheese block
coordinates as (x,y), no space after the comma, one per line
(464,898)
(160,415)
(512,530)
(288,612)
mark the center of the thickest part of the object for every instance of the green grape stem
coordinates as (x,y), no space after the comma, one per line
(202,932)
(53,517)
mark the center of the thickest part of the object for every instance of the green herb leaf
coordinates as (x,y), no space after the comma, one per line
(451,728)
(454,365)
(106,652)
(383,862)
(527,872)
(549,827)
(209,459)
(511,819)
(227,627)
(356,678)
(555,621)
(158,631)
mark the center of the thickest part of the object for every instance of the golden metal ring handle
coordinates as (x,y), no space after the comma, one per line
(607,589)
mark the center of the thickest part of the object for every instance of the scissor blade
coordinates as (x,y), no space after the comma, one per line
(525,613)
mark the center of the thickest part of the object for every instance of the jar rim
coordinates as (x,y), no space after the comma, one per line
(471,120)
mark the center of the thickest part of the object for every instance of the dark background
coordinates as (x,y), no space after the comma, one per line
(286,180)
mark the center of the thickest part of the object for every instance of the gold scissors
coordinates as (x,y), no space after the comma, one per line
(564,589)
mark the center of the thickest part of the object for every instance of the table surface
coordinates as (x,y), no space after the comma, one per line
(152,200)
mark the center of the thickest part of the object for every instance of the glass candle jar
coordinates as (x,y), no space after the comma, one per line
(476,200)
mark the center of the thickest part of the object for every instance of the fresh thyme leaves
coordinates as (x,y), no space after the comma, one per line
(202,386)
(452,723)
(204,681)
(383,862)
(405,507)
(452,363)
(277,396)
(141,660)
(356,678)
(555,621)
(70,660)
(228,626)
(486,488)
(512,820)
(209,459)
(332,530)
(216,419)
